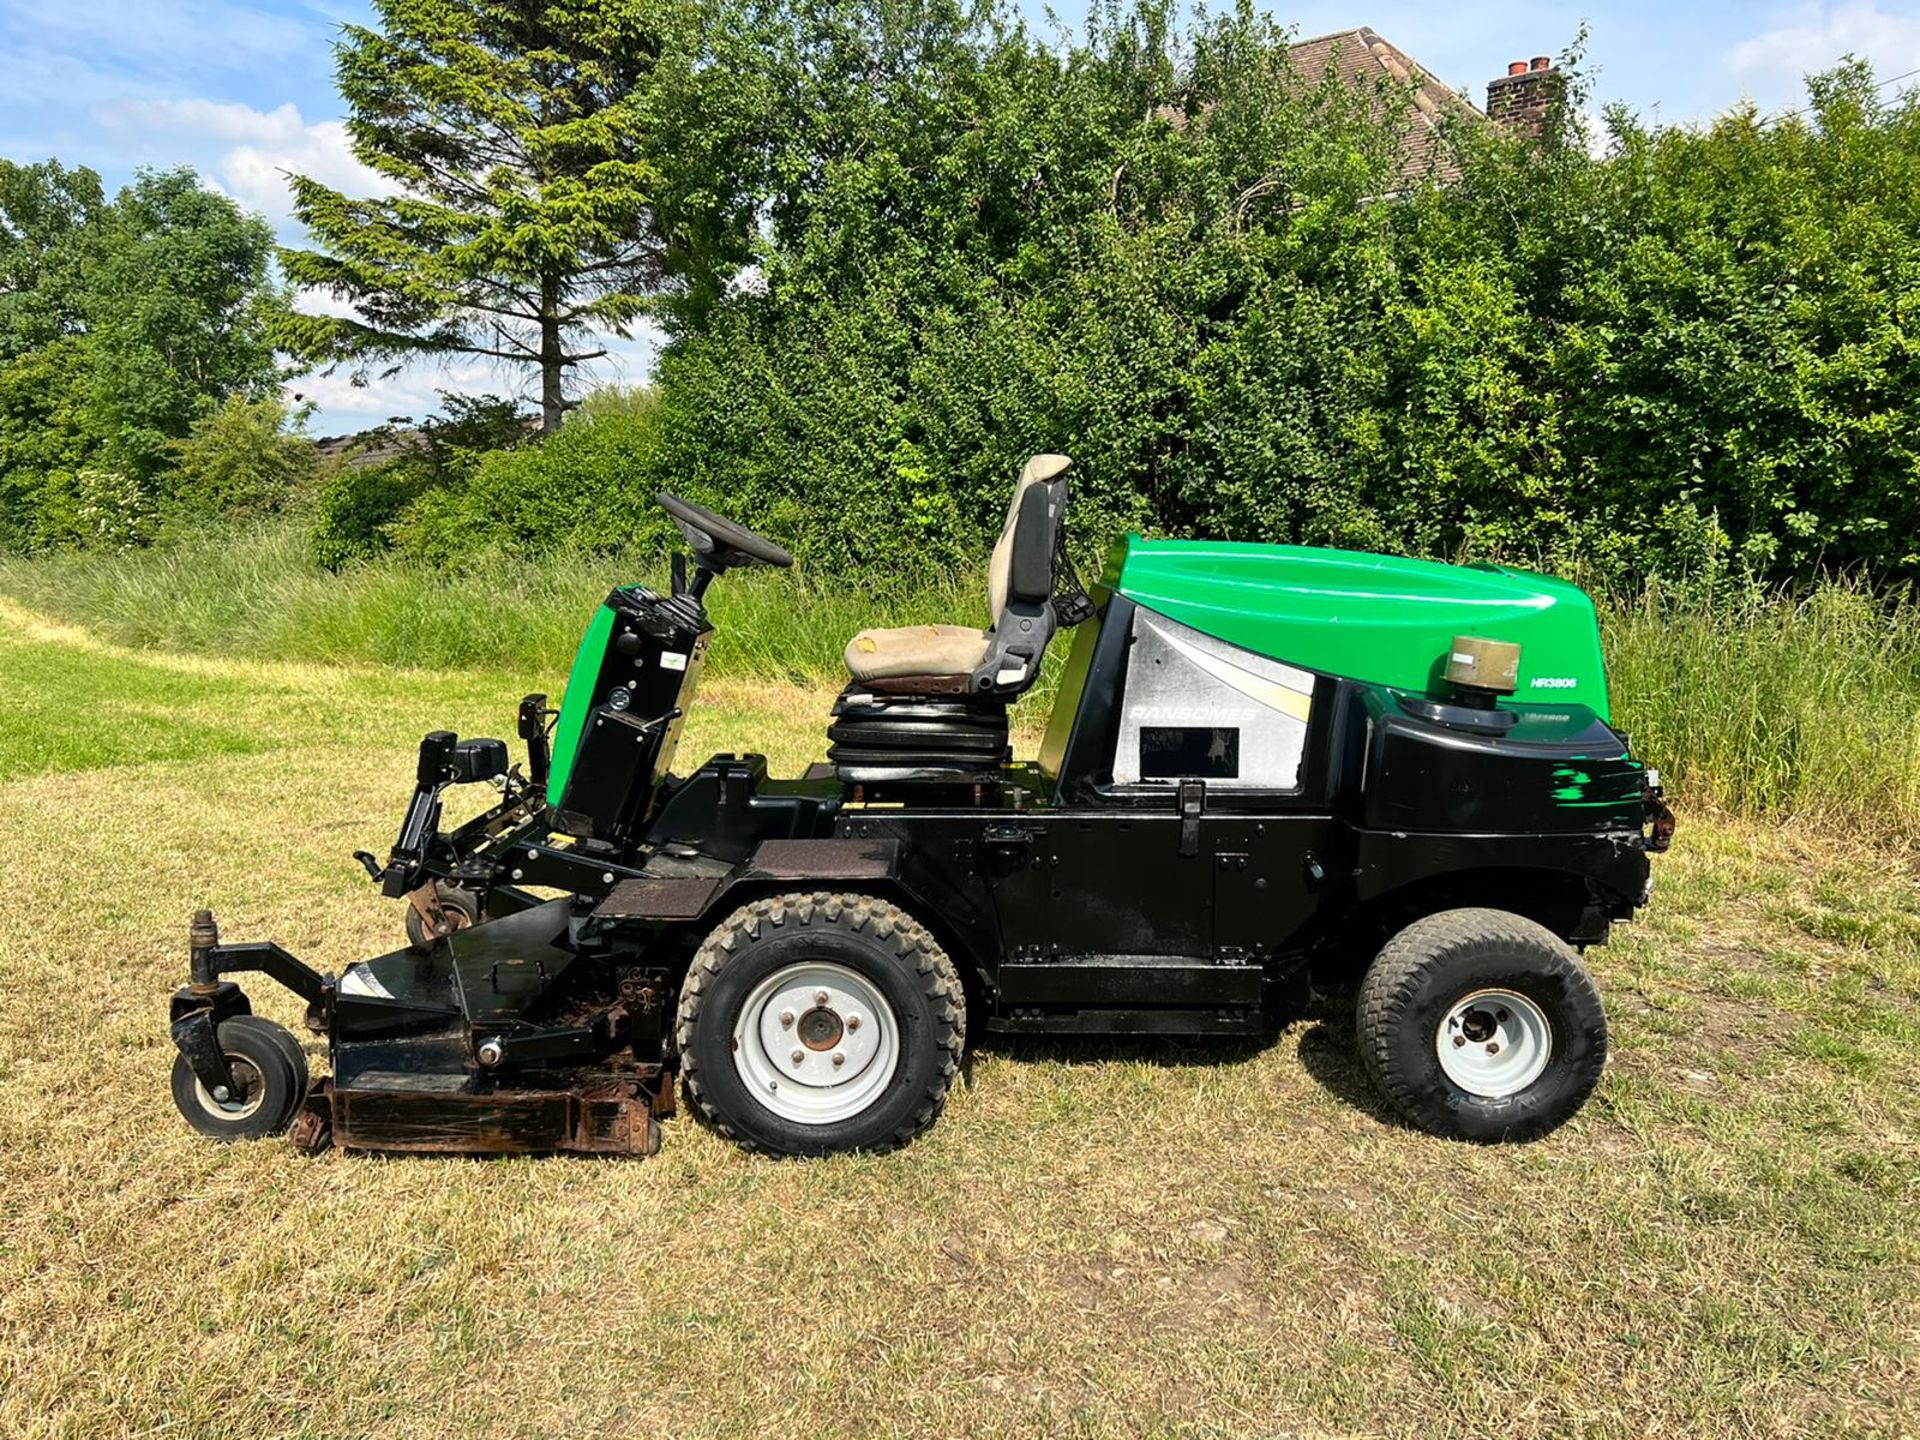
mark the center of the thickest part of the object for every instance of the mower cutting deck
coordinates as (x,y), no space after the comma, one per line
(1266,765)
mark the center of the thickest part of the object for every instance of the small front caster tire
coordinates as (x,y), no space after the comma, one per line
(812,1024)
(461,907)
(1482,1025)
(270,1079)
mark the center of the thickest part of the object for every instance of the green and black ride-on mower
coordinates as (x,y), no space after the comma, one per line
(1266,765)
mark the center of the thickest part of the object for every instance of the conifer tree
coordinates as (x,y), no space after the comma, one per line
(549,165)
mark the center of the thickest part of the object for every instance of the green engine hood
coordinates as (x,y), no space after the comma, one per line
(1377,618)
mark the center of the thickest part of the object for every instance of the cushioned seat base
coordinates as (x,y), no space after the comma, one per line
(917,652)
(916,733)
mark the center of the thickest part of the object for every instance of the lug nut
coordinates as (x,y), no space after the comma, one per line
(1493,1047)
(786,1019)
(853,1022)
(1502,1017)
(220,1092)
(839,1059)
(820,997)
(1458,1041)
(799,1056)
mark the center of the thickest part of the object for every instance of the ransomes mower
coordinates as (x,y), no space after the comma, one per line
(1266,766)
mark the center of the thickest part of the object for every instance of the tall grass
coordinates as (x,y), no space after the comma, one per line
(1772,705)
(1778,706)
(259,593)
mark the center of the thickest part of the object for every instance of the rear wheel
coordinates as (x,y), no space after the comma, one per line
(1482,1025)
(266,1088)
(816,1023)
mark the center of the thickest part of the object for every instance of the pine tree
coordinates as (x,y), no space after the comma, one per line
(556,174)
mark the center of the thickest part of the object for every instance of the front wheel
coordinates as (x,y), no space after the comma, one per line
(1482,1025)
(458,910)
(269,1073)
(817,1023)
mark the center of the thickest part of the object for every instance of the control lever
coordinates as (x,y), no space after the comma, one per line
(662,720)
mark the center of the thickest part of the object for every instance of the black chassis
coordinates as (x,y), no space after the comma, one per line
(1070,904)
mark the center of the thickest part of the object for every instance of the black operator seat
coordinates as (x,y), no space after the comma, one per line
(931,700)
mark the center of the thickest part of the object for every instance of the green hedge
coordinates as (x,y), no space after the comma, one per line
(1694,353)
(1205,277)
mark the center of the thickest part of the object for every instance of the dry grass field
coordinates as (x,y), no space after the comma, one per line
(1096,1240)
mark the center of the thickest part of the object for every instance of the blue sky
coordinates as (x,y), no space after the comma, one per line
(243,92)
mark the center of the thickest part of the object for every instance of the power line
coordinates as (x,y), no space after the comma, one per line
(1879,85)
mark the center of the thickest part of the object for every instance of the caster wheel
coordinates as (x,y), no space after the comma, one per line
(461,907)
(269,1073)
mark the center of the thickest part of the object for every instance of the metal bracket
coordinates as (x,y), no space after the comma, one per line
(495,1049)
(213,961)
(197,1038)
(1193,799)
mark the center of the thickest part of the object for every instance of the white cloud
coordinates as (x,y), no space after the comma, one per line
(1810,37)
(163,38)
(256,149)
(256,175)
(345,408)
(215,119)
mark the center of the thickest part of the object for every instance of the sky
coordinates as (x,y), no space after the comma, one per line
(244,92)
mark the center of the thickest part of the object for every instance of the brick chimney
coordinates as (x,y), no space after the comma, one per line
(1522,98)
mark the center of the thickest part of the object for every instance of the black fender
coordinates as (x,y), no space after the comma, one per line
(698,897)
(1575,884)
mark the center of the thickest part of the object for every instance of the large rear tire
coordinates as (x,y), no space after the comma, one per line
(816,1023)
(1482,1025)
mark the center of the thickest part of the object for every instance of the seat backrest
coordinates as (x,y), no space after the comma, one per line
(1023,557)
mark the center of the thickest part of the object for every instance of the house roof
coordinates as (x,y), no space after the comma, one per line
(1366,58)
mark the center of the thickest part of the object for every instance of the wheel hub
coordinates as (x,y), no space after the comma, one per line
(236,1104)
(821,1028)
(816,1043)
(1494,1043)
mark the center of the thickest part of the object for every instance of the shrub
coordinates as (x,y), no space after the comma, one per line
(395,481)
(245,459)
(586,490)
(353,511)
(114,510)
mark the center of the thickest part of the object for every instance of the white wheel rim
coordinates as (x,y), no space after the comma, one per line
(232,1109)
(1494,1043)
(817,1012)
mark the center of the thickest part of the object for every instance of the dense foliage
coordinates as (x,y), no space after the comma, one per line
(1202,276)
(898,245)
(401,482)
(549,181)
(123,325)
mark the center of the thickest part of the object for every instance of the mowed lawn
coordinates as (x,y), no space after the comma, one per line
(1146,1239)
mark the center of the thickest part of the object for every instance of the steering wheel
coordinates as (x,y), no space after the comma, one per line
(718,543)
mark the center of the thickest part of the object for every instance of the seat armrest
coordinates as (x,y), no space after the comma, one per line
(1015,647)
